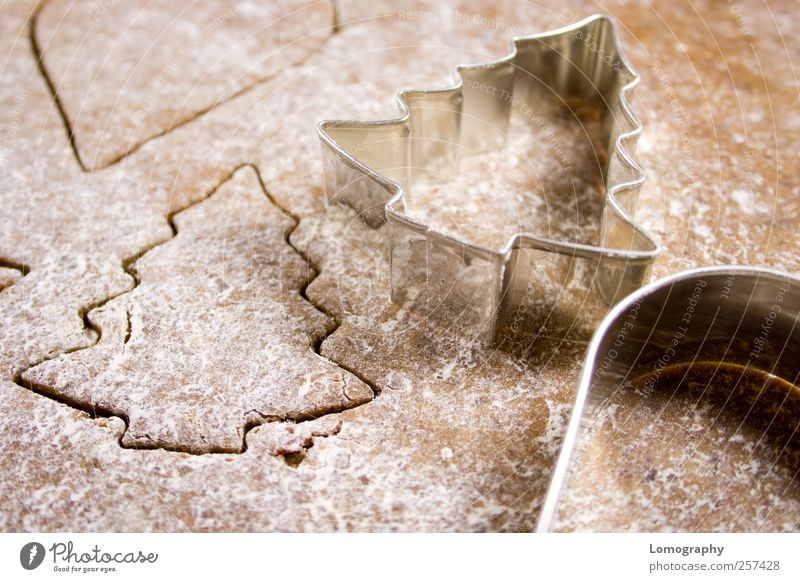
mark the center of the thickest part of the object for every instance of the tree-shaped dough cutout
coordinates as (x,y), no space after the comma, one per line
(216,336)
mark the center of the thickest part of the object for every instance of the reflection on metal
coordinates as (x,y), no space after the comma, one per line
(716,314)
(372,166)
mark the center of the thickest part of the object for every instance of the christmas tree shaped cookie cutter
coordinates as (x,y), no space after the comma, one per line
(371,166)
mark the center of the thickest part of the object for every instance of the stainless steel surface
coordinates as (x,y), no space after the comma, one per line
(691,316)
(372,166)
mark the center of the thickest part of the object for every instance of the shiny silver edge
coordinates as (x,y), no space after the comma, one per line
(524,240)
(570,438)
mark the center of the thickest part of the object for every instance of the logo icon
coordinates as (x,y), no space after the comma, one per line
(31,555)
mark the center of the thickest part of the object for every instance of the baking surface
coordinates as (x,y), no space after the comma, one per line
(708,446)
(191,341)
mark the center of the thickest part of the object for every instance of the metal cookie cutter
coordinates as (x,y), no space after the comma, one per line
(727,323)
(372,167)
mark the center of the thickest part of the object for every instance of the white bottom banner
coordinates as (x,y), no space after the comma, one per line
(353,557)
